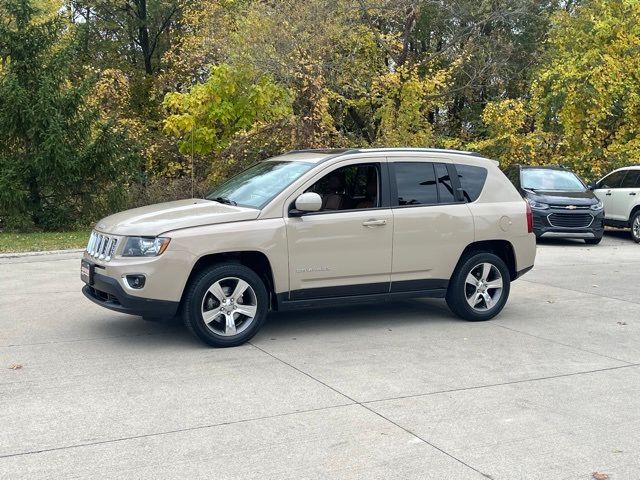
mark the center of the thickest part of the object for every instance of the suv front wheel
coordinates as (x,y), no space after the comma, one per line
(479,287)
(226,305)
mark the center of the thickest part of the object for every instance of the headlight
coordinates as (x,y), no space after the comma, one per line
(537,205)
(597,206)
(144,246)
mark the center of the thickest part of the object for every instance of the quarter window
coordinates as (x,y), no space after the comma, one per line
(416,183)
(472,180)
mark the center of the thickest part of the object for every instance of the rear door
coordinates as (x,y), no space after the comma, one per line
(432,224)
(608,190)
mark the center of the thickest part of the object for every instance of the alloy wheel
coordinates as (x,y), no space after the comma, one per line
(229,306)
(483,287)
(635,228)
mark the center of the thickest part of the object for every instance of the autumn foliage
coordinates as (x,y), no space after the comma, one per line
(110,104)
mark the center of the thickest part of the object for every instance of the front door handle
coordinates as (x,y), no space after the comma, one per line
(632,193)
(374,223)
(608,194)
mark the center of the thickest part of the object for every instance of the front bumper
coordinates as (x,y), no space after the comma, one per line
(107,292)
(562,223)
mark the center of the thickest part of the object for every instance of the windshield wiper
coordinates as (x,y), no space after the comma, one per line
(225,200)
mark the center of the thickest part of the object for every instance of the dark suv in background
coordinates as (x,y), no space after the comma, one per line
(562,205)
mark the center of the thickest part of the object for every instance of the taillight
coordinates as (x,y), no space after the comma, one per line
(529,218)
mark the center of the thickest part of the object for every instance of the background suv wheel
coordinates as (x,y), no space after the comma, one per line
(479,287)
(226,305)
(635,227)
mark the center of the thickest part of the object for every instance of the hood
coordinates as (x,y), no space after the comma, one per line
(153,220)
(586,197)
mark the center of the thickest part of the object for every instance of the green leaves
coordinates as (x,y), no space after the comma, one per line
(233,99)
(57,154)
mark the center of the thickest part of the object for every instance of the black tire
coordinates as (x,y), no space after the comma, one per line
(195,295)
(457,290)
(593,241)
(635,233)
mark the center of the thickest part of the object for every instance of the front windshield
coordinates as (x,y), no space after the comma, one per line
(547,179)
(258,185)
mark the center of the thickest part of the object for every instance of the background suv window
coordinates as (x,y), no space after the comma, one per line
(631,180)
(416,183)
(613,180)
(472,180)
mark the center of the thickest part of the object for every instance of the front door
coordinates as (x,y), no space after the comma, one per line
(608,190)
(344,249)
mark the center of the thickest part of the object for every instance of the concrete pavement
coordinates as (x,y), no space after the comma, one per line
(548,390)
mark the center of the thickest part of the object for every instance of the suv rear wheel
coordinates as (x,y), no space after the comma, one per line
(479,287)
(226,305)
(635,227)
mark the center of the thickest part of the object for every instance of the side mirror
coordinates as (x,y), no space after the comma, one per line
(307,202)
(592,185)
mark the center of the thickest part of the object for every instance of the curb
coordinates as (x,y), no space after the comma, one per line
(35,254)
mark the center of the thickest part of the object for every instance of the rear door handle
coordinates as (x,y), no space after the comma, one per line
(632,193)
(374,223)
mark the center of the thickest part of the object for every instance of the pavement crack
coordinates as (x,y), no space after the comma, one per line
(495,324)
(170,432)
(361,404)
(501,384)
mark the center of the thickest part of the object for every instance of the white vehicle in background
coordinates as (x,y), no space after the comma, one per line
(620,193)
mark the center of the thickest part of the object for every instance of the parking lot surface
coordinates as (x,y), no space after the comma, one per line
(550,389)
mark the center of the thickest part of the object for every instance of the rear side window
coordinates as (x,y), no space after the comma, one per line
(631,180)
(472,180)
(613,180)
(416,183)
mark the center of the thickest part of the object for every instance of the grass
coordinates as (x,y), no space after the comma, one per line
(41,241)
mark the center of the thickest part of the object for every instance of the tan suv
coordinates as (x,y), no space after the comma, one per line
(318,227)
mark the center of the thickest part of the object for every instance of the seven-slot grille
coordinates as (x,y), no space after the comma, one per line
(570,220)
(101,246)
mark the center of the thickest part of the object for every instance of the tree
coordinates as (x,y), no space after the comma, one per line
(583,108)
(59,160)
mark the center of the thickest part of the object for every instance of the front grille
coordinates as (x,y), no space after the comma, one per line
(574,207)
(101,246)
(570,220)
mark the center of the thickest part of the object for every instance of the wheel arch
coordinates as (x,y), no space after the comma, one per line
(501,248)
(253,259)
(634,210)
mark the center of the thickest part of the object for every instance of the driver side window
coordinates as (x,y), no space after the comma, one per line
(349,188)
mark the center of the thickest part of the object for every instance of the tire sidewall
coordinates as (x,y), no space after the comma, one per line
(633,219)
(193,314)
(456,294)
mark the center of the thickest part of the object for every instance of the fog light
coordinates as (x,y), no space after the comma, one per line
(136,281)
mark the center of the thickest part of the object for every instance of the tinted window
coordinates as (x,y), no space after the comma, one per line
(416,183)
(613,180)
(632,179)
(445,189)
(471,180)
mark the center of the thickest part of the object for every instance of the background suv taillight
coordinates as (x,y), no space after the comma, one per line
(529,218)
